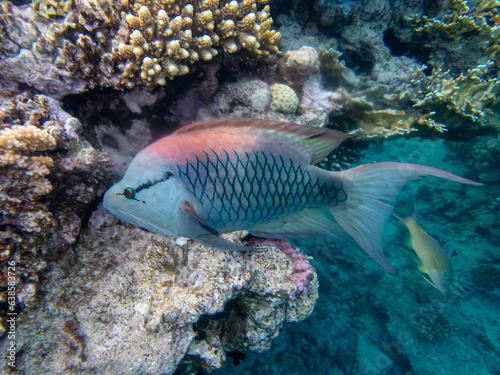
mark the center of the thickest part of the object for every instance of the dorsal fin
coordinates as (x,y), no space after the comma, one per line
(319,141)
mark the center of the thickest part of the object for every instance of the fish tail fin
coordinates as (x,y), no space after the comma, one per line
(410,216)
(364,213)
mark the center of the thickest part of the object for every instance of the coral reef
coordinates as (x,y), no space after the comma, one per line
(455,22)
(244,99)
(362,120)
(330,65)
(485,158)
(302,270)
(145,308)
(471,94)
(113,298)
(48,176)
(134,43)
(431,328)
(298,66)
(487,277)
(468,24)
(459,87)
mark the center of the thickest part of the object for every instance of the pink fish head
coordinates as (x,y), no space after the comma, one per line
(147,196)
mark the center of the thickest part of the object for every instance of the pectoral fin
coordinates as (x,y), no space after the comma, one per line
(189,211)
(211,239)
(409,243)
(420,265)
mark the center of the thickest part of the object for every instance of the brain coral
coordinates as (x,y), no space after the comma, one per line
(283,98)
(145,42)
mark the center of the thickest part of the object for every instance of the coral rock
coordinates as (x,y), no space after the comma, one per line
(143,309)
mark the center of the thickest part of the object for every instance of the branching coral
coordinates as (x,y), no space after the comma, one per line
(146,42)
(460,19)
(371,122)
(456,21)
(472,94)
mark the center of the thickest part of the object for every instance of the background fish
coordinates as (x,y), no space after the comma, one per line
(224,175)
(433,260)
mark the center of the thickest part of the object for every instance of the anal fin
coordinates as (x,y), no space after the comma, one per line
(307,224)
(429,281)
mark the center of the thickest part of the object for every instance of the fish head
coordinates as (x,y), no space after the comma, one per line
(440,279)
(147,196)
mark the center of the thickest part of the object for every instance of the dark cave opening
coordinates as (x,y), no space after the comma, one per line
(397,47)
(360,64)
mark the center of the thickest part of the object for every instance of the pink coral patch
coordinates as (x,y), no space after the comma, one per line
(302,269)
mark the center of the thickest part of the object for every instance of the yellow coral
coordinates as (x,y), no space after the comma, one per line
(51,8)
(459,19)
(371,122)
(24,138)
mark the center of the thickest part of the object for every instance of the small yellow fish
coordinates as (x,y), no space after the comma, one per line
(433,260)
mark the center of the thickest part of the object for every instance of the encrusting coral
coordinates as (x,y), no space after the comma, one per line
(48,175)
(127,43)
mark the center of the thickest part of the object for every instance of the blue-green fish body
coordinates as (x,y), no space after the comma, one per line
(258,175)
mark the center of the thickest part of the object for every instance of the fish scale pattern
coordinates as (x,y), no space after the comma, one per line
(241,189)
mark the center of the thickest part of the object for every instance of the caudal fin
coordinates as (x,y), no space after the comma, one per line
(410,216)
(364,213)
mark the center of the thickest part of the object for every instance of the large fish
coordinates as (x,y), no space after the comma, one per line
(231,174)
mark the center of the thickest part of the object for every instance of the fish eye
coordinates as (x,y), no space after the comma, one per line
(129,193)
